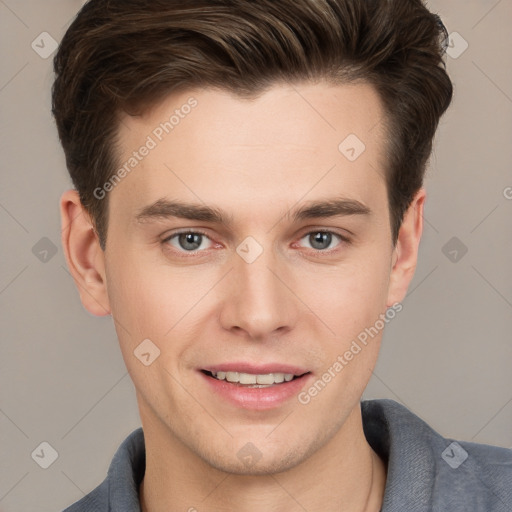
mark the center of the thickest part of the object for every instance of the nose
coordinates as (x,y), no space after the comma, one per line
(259,299)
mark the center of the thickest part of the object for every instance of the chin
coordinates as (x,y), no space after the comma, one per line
(270,464)
(258,458)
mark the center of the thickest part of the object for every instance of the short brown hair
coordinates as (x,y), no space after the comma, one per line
(123,56)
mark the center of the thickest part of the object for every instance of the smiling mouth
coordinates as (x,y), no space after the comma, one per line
(250,380)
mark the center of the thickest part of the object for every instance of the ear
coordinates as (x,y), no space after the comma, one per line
(84,256)
(405,253)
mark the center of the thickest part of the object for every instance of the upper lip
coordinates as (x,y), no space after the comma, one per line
(256,369)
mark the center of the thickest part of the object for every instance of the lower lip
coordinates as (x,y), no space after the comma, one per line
(261,399)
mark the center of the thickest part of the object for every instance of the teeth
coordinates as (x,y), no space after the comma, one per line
(247,378)
(278,378)
(265,379)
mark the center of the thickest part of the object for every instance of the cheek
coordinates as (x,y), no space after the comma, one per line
(145,308)
(141,311)
(159,303)
(352,305)
(350,298)
(145,296)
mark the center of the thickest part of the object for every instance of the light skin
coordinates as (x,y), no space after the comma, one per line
(300,302)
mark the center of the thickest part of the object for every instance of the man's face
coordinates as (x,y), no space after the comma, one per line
(264,291)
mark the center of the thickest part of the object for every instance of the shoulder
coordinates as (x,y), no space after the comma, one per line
(95,501)
(485,472)
(442,472)
(119,491)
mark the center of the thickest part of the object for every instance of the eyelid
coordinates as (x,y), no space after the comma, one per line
(309,230)
(185,231)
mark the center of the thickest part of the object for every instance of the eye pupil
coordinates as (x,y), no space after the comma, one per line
(190,241)
(320,240)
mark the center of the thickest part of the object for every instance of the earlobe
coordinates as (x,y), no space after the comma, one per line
(84,256)
(405,254)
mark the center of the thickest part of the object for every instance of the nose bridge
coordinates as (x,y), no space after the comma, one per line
(261,303)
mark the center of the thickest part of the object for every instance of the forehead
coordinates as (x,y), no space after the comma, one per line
(210,145)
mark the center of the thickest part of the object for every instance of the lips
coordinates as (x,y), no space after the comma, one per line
(260,387)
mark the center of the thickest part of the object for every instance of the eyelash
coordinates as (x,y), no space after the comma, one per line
(188,254)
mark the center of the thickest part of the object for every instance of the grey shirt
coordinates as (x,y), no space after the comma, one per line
(425,471)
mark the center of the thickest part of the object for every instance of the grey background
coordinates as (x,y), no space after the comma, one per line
(446,356)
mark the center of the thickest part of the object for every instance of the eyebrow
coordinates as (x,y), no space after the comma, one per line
(164,208)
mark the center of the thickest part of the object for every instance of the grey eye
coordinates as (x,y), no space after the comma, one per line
(321,240)
(190,241)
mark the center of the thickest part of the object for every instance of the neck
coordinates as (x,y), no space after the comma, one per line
(343,475)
